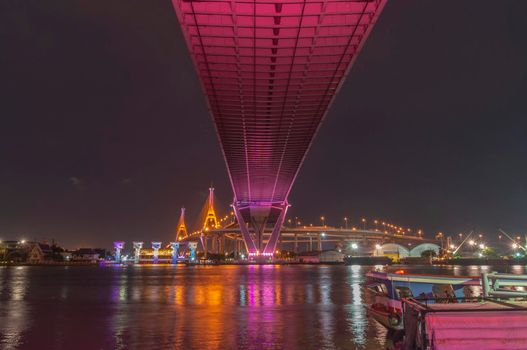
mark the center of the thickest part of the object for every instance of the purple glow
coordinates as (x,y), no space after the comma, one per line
(270,70)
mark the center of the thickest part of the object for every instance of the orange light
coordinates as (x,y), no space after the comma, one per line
(400,272)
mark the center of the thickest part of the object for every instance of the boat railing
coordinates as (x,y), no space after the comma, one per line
(423,305)
(499,285)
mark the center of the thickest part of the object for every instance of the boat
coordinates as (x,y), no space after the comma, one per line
(494,321)
(390,288)
(488,323)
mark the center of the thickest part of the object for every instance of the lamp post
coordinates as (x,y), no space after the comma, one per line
(346,223)
(323,219)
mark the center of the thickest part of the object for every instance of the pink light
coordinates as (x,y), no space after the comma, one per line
(270,70)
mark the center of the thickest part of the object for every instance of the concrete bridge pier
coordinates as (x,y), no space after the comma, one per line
(296,243)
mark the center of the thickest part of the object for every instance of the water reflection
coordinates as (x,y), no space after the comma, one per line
(14,311)
(206,308)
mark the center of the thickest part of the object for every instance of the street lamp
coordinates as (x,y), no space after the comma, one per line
(323,219)
(363,223)
(346,223)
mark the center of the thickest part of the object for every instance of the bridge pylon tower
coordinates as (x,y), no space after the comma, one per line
(181,232)
(210,220)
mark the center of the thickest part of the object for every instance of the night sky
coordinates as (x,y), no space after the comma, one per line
(105,132)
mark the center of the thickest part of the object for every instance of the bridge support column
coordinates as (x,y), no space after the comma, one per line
(296,243)
(213,245)
(258,216)
(137,251)
(192,246)
(223,249)
(175,251)
(156,246)
(203,240)
(118,246)
(319,242)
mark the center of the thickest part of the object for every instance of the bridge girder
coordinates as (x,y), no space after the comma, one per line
(270,70)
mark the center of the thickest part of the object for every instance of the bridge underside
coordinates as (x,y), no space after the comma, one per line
(270,69)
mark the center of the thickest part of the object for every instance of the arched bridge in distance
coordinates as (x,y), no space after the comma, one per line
(270,70)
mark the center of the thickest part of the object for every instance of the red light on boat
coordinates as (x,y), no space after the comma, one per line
(400,272)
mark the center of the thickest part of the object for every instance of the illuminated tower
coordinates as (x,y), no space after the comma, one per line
(270,70)
(181,227)
(156,246)
(175,251)
(211,221)
(118,247)
(137,251)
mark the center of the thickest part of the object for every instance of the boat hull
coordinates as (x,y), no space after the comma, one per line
(386,318)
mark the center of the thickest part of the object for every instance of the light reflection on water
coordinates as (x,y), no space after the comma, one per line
(221,307)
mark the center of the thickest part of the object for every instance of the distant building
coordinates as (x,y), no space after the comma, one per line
(14,251)
(67,255)
(325,256)
(85,255)
(164,256)
(39,253)
(309,257)
(331,256)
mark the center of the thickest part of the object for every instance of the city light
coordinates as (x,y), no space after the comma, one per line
(378,246)
(514,246)
(471,242)
(354,246)
(481,246)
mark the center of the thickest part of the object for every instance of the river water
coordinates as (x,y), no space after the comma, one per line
(201,307)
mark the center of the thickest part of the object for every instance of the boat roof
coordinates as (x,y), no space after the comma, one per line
(404,276)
